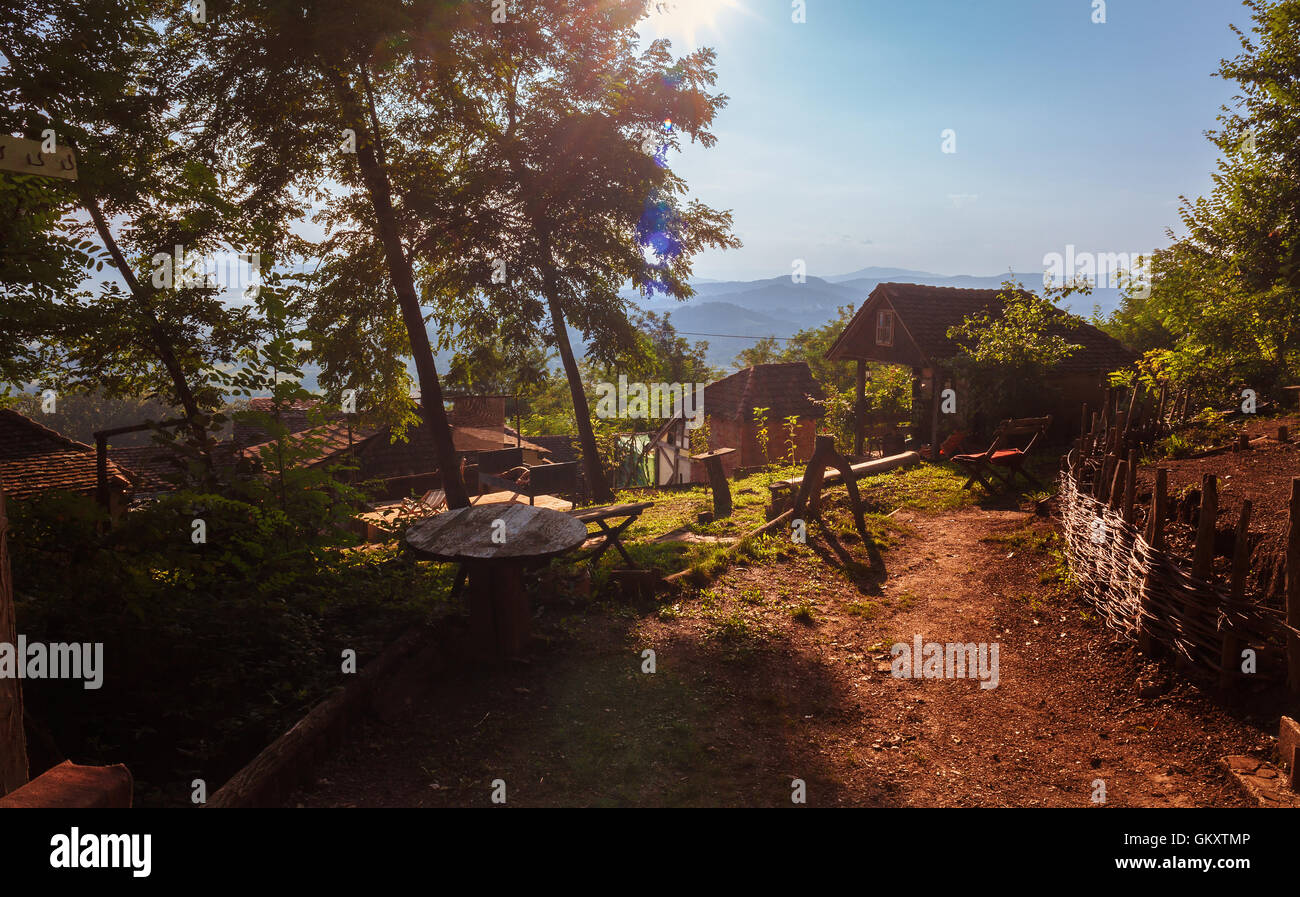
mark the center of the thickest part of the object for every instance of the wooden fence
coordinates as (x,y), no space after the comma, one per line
(1121,561)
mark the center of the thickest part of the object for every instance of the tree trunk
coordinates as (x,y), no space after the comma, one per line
(166,353)
(597,486)
(13,743)
(403,279)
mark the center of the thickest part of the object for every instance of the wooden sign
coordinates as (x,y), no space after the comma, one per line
(24,156)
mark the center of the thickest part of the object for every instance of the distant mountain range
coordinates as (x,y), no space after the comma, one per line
(736,314)
(733,315)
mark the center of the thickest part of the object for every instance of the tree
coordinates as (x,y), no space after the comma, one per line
(1007,349)
(568,129)
(87,72)
(351,94)
(1223,309)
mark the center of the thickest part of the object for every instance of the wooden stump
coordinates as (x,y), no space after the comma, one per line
(717,481)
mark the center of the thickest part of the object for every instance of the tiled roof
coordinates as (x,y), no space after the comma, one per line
(148,466)
(36,459)
(327,442)
(784,389)
(334,440)
(927,312)
(563,447)
(293,416)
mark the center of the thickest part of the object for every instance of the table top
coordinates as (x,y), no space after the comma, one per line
(524,531)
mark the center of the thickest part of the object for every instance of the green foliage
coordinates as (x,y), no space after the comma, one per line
(791,431)
(763,432)
(1007,350)
(888,387)
(211,650)
(1221,311)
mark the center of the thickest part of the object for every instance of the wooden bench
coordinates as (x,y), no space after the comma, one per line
(531,480)
(599,516)
(1002,454)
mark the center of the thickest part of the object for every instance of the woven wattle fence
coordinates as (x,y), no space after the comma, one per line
(1119,558)
(1140,591)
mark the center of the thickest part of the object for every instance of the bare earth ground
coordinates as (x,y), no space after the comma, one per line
(779,672)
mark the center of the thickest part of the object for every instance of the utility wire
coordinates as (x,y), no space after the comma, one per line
(733,335)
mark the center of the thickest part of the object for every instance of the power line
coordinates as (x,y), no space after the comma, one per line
(733,335)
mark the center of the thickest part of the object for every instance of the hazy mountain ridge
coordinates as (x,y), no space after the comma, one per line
(759,308)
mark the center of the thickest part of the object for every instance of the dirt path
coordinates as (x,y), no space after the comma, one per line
(780,671)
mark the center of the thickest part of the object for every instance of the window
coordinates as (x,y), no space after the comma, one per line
(884,328)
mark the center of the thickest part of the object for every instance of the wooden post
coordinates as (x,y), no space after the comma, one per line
(13,743)
(860,409)
(1230,656)
(1130,487)
(1155,537)
(1293,590)
(1132,408)
(717,481)
(1117,485)
(1203,552)
(1155,534)
(1083,420)
(1102,490)
(1283,435)
(935,383)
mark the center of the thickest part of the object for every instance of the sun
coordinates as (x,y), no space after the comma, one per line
(685,19)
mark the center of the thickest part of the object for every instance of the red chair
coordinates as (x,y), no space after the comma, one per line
(1001,455)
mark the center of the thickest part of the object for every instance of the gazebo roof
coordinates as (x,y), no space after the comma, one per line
(925,313)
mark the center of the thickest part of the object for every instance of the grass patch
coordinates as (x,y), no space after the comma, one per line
(867,610)
(803,613)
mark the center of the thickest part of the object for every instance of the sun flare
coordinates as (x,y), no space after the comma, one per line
(686,19)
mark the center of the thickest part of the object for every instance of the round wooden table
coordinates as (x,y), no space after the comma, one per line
(494,544)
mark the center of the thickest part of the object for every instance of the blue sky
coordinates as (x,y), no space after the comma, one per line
(1067,132)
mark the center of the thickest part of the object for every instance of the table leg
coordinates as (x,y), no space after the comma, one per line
(499,617)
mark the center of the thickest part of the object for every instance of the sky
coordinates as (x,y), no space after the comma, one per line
(1066,131)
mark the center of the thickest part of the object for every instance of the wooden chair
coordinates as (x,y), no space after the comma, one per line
(412,509)
(1002,455)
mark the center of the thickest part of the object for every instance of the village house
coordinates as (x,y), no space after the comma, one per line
(477,425)
(734,414)
(35,459)
(907,324)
